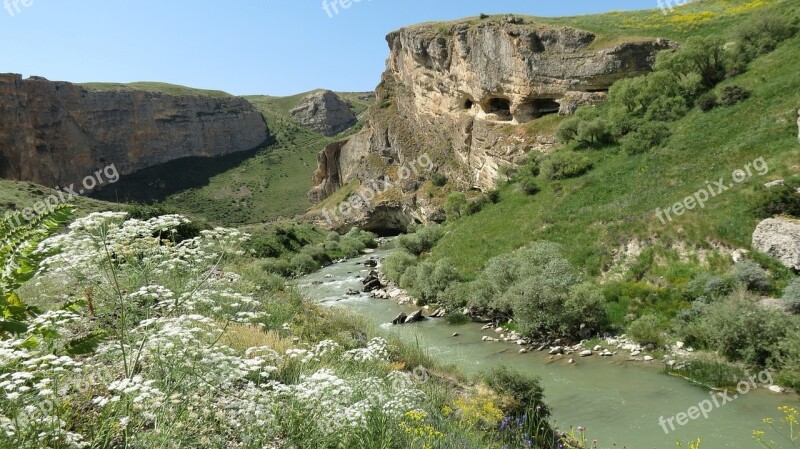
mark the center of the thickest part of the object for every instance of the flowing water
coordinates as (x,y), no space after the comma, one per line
(618,402)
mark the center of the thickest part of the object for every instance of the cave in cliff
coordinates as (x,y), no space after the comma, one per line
(536,108)
(501,107)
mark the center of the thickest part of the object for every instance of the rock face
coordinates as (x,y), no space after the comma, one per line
(780,238)
(56,133)
(461,93)
(324,112)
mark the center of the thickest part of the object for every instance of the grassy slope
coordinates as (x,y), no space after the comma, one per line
(149,86)
(16,195)
(243,188)
(593,214)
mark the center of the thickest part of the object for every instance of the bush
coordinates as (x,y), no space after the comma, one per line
(429,280)
(791,296)
(707,101)
(493,196)
(484,16)
(564,165)
(732,95)
(529,185)
(455,205)
(303,264)
(710,373)
(647,330)
(396,264)
(439,180)
(649,135)
(422,241)
(568,130)
(593,132)
(762,33)
(779,200)
(705,56)
(750,275)
(707,288)
(525,392)
(273,265)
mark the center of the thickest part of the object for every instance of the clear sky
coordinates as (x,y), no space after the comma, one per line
(275,47)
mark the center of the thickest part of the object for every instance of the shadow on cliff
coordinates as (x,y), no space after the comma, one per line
(157,183)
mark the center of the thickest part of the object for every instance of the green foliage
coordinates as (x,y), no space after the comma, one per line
(564,165)
(762,34)
(647,136)
(732,95)
(526,391)
(709,373)
(428,281)
(779,200)
(791,296)
(704,55)
(750,275)
(708,288)
(529,184)
(438,179)
(422,240)
(568,129)
(647,329)
(396,264)
(455,205)
(707,101)
(19,240)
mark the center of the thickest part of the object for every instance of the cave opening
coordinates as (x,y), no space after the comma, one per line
(468,104)
(545,106)
(500,107)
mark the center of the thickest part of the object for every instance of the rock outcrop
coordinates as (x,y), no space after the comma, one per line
(779,238)
(324,112)
(56,133)
(462,93)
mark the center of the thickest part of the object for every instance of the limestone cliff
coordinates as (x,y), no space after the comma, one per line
(466,93)
(56,133)
(324,112)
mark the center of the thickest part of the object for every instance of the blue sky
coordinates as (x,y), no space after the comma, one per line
(275,47)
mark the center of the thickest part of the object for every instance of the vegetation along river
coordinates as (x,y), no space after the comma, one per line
(618,402)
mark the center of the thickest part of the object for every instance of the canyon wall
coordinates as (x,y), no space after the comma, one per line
(56,133)
(469,94)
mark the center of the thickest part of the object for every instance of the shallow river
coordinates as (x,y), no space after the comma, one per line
(618,402)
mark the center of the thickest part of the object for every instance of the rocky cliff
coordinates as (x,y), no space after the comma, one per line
(467,93)
(324,112)
(56,133)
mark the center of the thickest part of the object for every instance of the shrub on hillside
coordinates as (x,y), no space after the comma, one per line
(779,200)
(647,329)
(707,101)
(303,263)
(707,288)
(428,281)
(732,95)
(791,296)
(705,56)
(438,179)
(529,185)
(648,136)
(564,165)
(525,392)
(396,264)
(762,33)
(568,130)
(455,205)
(750,275)
(493,196)
(421,241)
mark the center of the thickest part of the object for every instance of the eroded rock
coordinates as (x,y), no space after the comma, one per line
(779,238)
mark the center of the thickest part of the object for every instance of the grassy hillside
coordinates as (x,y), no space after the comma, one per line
(594,214)
(149,86)
(16,196)
(244,188)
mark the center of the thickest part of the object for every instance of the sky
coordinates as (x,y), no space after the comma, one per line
(271,47)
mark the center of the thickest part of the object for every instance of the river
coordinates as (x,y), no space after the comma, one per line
(617,401)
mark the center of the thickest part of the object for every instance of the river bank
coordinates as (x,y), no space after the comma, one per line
(616,400)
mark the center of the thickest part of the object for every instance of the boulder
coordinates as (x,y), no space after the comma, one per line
(414,317)
(779,238)
(556,350)
(586,353)
(400,318)
(352,292)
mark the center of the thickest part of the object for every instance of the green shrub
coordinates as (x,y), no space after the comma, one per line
(429,280)
(779,200)
(750,275)
(791,296)
(568,130)
(707,101)
(529,185)
(732,95)
(710,373)
(707,288)
(421,241)
(647,329)
(303,264)
(593,132)
(493,196)
(455,205)
(705,56)
(649,135)
(762,33)
(564,165)
(277,266)
(526,391)
(396,264)
(438,179)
